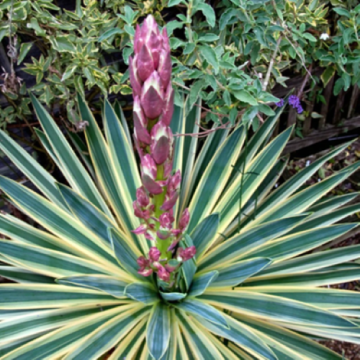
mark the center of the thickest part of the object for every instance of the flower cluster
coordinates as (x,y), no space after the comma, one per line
(150,73)
(280,103)
(294,101)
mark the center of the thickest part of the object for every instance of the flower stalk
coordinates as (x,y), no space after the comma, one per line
(150,77)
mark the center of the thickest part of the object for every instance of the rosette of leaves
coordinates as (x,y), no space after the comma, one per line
(253,290)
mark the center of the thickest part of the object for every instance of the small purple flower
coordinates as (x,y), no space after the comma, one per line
(294,101)
(299,109)
(280,103)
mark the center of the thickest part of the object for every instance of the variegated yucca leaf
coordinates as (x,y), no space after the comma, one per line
(249,293)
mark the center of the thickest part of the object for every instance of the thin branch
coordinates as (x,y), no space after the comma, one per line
(267,78)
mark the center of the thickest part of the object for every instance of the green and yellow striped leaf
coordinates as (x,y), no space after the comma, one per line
(234,248)
(158,330)
(233,275)
(275,308)
(245,186)
(87,213)
(38,322)
(215,177)
(73,234)
(241,335)
(203,311)
(48,262)
(23,276)
(28,165)
(47,296)
(107,284)
(202,282)
(314,261)
(200,345)
(296,342)
(145,293)
(71,166)
(107,335)
(57,343)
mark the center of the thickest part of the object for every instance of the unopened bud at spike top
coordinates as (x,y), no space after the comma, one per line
(140,123)
(168,110)
(138,40)
(164,68)
(152,100)
(155,42)
(145,63)
(134,78)
(165,39)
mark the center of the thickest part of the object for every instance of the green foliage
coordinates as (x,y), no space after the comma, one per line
(221,54)
(253,290)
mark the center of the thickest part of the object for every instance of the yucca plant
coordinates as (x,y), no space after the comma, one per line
(226,273)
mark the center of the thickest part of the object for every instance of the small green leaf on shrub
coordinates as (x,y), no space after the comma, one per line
(245,97)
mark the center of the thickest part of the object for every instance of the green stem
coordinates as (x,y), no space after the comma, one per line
(158,201)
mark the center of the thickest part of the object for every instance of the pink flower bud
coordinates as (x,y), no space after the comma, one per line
(149,236)
(149,26)
(163,234)
(161,141)
(140,123)
(148,176)
(134,79)
(152,100)
(148,166)
(142,229)
(168,165)
(142,197)
(168,110)
(141,118)
(145,272)
(172,265)
(164,68)
(170,268)
(142,214)
(138,40)
(165,40)
(142,262)
(166,220)
(139,149)
(170,202)
(184,221)
(137,212)
(145,63)
(175,232)
(175,181)
(163,274)
(154,254)
(155,42)
(186,254)
(151,186)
